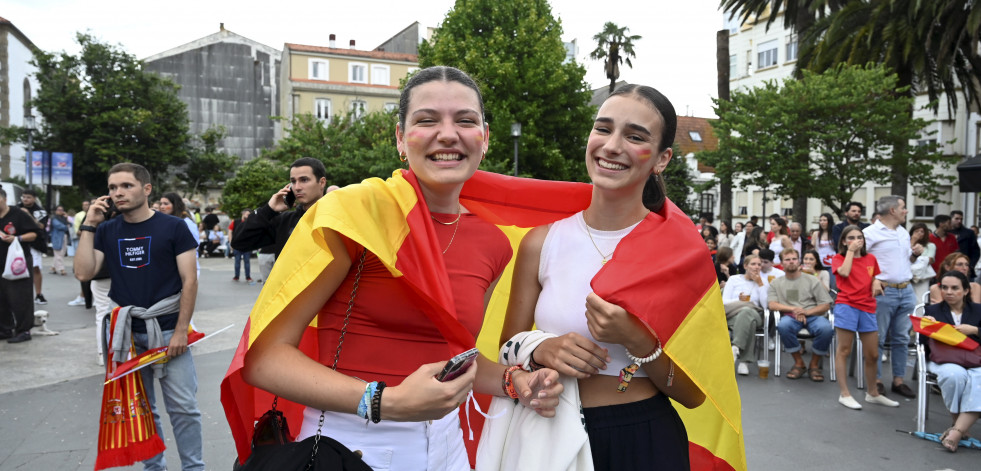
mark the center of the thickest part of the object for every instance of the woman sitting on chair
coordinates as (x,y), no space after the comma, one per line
(744,297)
(959,386)
(956,262)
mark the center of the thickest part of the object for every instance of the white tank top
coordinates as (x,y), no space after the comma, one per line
(826,252)
(568,263)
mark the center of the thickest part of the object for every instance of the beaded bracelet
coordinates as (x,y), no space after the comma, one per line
(508,383)
(627,373)
(376,400)
(649,358)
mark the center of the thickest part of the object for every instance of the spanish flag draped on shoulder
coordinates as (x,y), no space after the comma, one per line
(390,219)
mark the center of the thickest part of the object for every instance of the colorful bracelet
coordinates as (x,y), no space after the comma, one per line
(369,390)
(376,400)
(508,383)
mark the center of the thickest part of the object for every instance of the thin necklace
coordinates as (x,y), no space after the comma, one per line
(606,258)
(459,214)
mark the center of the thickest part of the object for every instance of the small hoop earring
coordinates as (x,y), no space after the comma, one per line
(402,157)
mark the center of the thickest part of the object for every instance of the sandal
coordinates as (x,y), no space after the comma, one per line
(949,443)
(816,375)
(795,372)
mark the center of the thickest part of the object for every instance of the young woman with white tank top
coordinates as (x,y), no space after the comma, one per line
(629,146)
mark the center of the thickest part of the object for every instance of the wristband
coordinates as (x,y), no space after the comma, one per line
(363,405)
(86,227)
(508,382)
(649,358)
(376,399)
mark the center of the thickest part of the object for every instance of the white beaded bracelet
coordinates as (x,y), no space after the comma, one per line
(649,358)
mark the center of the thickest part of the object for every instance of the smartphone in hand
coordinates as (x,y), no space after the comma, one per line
(458,365)
(112,209)
(290,198)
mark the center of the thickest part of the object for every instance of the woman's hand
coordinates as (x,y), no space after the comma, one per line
(610,323)
(422,397)
(572,355)
(967,329)
(538,390)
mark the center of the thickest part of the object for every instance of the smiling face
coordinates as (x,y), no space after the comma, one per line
(444,138)
(127,193)
(808,260)
(623,147)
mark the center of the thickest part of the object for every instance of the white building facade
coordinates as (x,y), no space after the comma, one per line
(17,86)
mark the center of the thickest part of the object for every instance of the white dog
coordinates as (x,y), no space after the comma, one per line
(40,324)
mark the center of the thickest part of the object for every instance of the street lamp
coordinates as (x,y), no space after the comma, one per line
(516,134)
(30,126)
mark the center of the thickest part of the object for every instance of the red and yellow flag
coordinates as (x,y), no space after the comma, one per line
(390,219)
(127,433)
(942,332)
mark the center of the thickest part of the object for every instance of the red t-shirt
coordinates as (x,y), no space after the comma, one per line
(855,289)
(389,335)
(945,247)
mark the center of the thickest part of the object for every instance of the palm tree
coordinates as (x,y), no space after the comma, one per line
(614,45)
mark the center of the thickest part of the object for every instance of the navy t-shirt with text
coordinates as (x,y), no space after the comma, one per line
(142,261)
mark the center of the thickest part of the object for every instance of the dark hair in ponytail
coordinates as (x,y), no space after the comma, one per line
(655,192)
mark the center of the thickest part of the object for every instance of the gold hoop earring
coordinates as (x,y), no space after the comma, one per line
(402,157)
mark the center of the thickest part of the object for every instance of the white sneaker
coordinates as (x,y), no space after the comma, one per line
(78,301)
(735,353)
(849,402)
(881,400)
(742,369)
(99,359)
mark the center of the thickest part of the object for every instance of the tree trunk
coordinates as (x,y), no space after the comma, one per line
(800,213)
(723,174)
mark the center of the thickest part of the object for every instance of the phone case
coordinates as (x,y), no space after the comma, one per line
(457,365)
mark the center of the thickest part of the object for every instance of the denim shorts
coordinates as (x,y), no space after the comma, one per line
(855,320)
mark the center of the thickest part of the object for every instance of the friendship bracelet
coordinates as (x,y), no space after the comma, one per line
(508,383)
(363,404)
(376,400)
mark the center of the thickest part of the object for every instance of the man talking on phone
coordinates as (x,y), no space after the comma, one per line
(272,223)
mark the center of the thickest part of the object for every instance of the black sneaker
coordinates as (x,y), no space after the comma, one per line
(903,390)
(5,334)
(21,337)
(39,299)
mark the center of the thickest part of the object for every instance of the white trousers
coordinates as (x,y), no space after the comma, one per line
(395,446)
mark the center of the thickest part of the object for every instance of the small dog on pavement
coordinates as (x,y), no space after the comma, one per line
(40,324)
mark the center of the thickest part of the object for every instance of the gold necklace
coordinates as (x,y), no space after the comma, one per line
(459,214)
(606,258)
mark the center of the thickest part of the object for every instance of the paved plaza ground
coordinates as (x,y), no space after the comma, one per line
(50,390)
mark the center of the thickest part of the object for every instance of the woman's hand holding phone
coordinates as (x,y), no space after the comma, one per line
(422,397)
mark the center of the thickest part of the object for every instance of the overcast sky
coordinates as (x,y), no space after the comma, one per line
(676,54)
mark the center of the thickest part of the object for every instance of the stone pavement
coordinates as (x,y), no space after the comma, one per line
(50,390)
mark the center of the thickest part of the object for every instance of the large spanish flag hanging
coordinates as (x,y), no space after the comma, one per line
(942,332)
(390,219)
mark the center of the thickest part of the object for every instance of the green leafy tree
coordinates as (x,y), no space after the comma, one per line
(104,108)
(515,52)
(824,136)
(254,182)
(206,164)
(679,181)
(351,149)
(614,46)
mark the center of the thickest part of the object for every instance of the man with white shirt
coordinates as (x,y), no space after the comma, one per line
(890,244)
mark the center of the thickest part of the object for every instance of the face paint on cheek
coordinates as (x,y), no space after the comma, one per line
(645,154)
(413,137)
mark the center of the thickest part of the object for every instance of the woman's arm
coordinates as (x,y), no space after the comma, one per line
(610,323)
(846,266)
(570,354)
(306,381)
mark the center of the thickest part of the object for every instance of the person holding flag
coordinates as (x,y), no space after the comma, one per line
(959,386)
(634,327)
(417,267)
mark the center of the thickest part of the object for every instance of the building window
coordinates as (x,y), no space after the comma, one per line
(391,106)
(695,136)
(380,75)
(706,203)
(791,47)
(924,211)
(732,66)
(766,54)
(743,210)
(358,108)
(319,69)
(321,109)
(787,211)
(357,73)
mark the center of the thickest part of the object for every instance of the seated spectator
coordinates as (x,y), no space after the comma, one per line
(724,266)
(955,262)
(803,302)
(210,241)
(811,264)
(744,297)
(959,386)
(767,270)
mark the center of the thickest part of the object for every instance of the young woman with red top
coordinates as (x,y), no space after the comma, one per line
(855,271)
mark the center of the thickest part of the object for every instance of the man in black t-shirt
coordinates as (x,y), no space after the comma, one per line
(16,308)
(28,201)
(152,265)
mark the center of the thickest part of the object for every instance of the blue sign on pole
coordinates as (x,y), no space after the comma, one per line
(37,167)
(61,168)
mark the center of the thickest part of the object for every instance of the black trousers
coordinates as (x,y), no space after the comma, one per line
(646,435)
(16,305)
